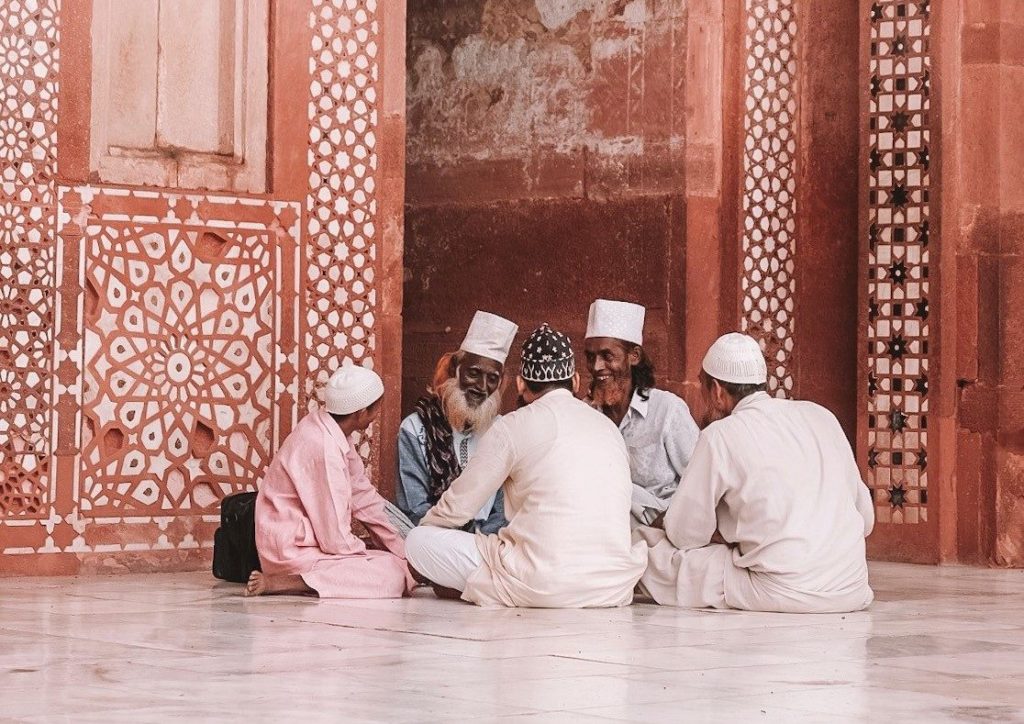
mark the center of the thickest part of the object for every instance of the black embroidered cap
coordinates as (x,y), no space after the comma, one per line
(547,356)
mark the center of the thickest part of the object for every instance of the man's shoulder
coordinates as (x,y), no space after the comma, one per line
(668,401)
(412,423)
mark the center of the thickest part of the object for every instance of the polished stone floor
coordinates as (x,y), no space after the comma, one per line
(939,644)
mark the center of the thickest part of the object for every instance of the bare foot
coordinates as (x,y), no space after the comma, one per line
(257,584)
(261,584)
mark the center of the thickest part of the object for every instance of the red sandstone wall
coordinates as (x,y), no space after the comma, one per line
(545,168)
(984,199)
(158,344)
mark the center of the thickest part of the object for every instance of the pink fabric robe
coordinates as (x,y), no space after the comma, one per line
(313,489)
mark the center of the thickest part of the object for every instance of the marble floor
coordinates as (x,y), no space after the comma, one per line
(939,644)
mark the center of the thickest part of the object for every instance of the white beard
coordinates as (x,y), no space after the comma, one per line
(460,415)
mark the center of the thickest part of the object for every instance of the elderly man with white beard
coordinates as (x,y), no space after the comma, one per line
(659,430)
(437,440)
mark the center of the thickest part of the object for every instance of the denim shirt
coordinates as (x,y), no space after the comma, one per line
(414,477)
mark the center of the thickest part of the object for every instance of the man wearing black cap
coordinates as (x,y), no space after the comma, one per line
(567,488)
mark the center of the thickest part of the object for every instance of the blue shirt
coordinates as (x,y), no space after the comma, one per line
(414,476)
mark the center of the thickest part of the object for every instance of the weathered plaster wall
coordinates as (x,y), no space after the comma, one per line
(546,155)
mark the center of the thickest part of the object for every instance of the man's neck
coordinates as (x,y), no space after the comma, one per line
(618,412)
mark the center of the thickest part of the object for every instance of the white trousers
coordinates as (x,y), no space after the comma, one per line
(444,556)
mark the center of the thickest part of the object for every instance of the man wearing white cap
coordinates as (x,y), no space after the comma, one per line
(775,483)
(659,430)
(437,441)
(311,492)
(565,472)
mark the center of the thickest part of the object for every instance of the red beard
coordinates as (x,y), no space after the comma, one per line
(612,393)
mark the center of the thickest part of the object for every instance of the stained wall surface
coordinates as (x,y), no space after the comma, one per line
(158,343)
(546,167)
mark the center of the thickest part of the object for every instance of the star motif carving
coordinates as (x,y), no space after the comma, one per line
(921,385)
(898,495)
(900,121)
(898,272)
(897,346)
(899,195)
(899,45)
(921,309)
(872,384)
(897,421)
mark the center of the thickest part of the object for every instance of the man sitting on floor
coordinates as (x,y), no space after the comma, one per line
(776,482)
(313,489)
(437,441)
(567,491)
(658,428)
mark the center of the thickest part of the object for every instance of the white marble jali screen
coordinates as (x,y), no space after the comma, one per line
(341,207)
(768,218)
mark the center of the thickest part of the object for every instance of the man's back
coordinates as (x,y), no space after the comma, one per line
(571,470)
(567,497)
(793,498)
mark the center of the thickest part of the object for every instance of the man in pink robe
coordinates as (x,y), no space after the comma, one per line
(313,489)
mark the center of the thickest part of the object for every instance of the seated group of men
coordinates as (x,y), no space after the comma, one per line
(570,502)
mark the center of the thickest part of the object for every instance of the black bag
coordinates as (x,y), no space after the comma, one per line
(234,543)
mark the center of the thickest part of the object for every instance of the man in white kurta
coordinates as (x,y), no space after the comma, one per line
(567,487)
(776,482)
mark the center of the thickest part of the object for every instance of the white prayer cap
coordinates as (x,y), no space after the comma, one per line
(351,389)
(736,358)
(619,320)
(489,336)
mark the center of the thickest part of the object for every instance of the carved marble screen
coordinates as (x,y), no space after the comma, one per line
(768,219)
(899,228)
(158,343)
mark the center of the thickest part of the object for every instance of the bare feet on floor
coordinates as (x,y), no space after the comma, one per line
(261,584)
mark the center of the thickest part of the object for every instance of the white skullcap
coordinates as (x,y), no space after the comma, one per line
(489,336)
(736,358)
(352,388)
(619,320)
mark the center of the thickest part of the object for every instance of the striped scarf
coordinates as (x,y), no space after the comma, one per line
(442,463)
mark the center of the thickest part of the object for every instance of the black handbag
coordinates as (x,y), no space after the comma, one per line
(234,543)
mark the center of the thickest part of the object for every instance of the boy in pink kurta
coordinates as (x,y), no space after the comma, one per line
(313,489)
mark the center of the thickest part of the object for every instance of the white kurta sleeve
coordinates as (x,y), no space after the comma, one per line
(691,520)
(486,472)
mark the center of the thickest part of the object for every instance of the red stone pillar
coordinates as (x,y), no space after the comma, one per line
(983,198)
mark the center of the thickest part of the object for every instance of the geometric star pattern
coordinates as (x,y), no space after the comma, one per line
(769,185)
(29,41)
(341,206)
(151,356)
(179,356)
(899,219)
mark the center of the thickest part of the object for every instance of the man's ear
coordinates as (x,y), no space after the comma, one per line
(634,356)
(576,383)
(453,364)
(719,395)
(520,385)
